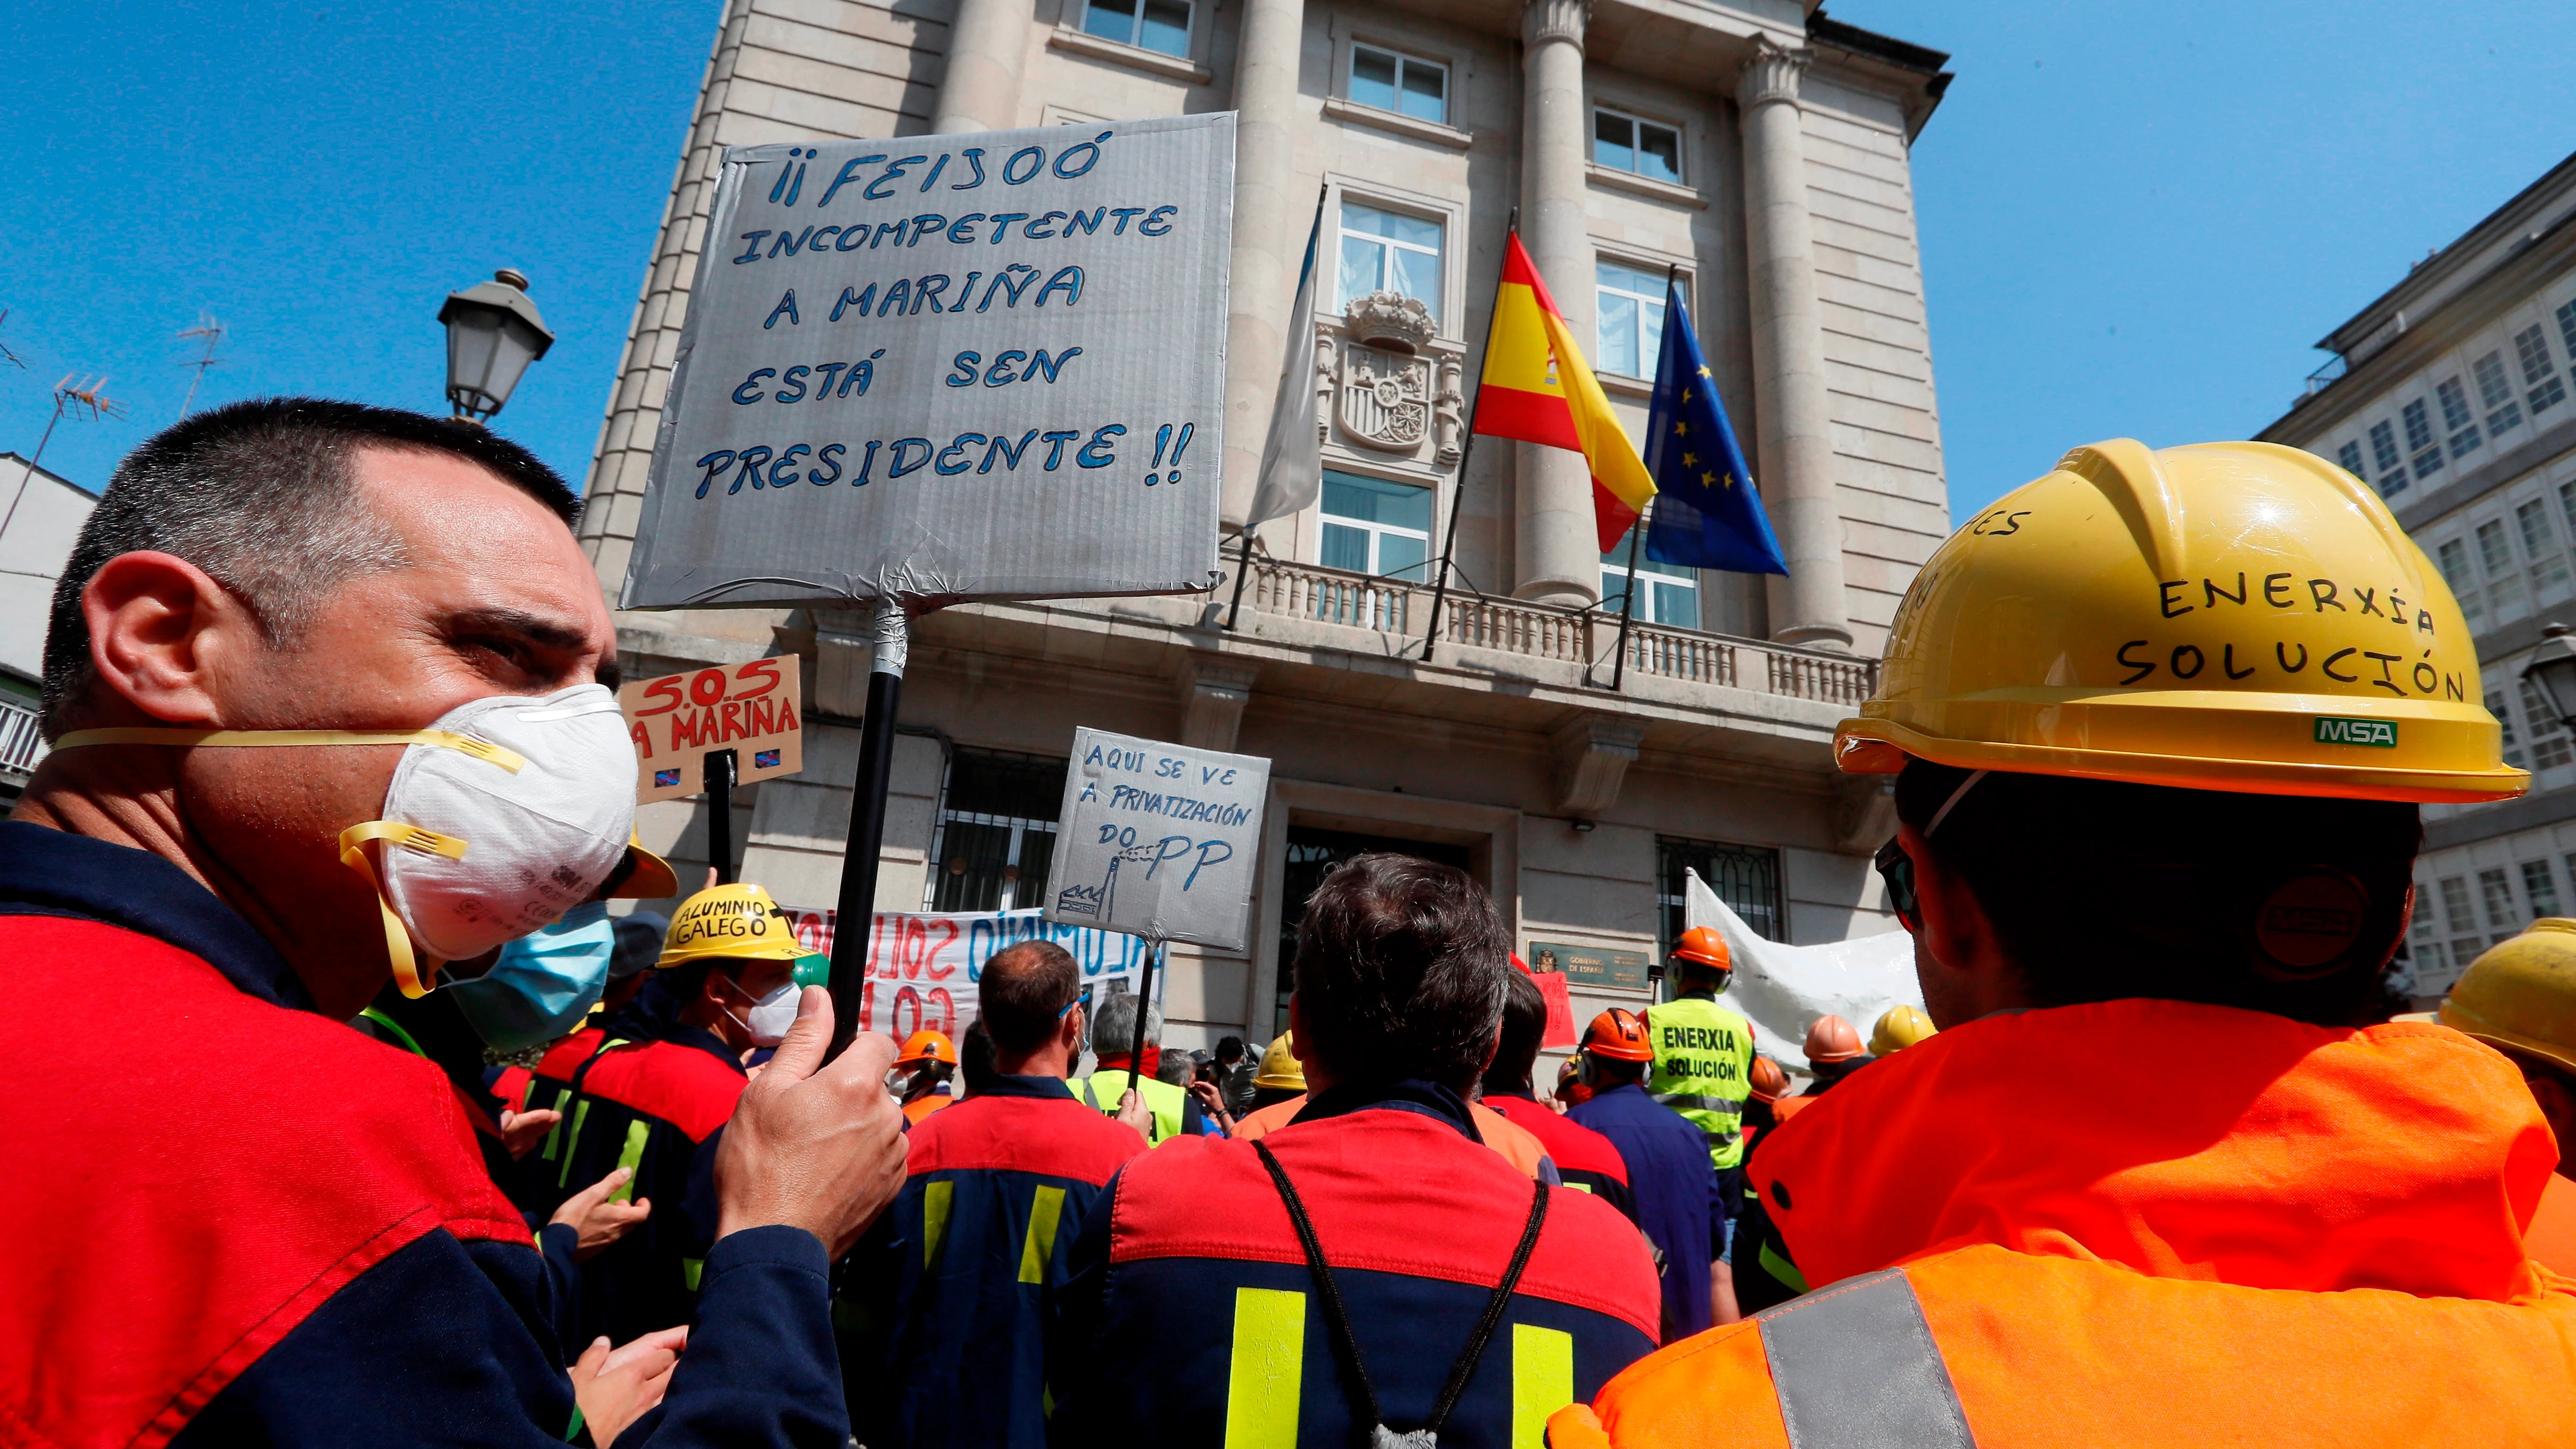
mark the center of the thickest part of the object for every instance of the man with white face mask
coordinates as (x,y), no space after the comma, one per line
(325,687)
(655,1096)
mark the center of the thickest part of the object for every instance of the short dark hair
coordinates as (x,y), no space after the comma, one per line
(1516,1049)
(2103,889)
(1024,988)
(256,494)
(1229,1049)
(1402,966)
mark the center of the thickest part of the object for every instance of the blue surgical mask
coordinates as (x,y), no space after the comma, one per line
(544,983)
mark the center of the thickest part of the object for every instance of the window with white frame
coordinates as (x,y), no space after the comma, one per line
(2567,506)
(2495,890)
(2504,722)
(2419,438)
(2349,455)
(2453,555)
(2540,546)
(1162,25)
(1667,594)
(2567,327)
(2392,463)
(1629,301)
(1372,526)
(2495,393)
(2457,416)
(2549,744)
(2540,887)
(1387,251)
(2541,388)
(2466,942)
(996,832)
(1404,84)
(1628,143)
(2504,580)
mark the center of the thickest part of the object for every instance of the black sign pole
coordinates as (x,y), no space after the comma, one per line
(854,920)
(720,773)
(1144,1003)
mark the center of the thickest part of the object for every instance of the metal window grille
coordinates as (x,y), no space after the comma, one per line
(2495,391)
(1746,877)
(2457,415)
(2542,390)
(2495,890)
(996,835)
(2540,887)
(2549,744)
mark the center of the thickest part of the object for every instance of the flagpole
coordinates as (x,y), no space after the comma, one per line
(1637,536)
(1242,571)
(1458,493)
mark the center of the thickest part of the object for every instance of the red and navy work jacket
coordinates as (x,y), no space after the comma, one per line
(1681,1201)
(191,1263)
(1584,1158)
(969,1265)
(654,1098)
(547,1086)
(1192,1317)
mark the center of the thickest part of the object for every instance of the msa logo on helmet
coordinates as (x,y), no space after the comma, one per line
(2376,733)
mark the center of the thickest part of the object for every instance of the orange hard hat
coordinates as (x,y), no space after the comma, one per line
(1767,1080)
(928,1046)
(1831,1040)
(1620,1035)
(1703,946)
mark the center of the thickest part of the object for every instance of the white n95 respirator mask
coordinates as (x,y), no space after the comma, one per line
(502,816)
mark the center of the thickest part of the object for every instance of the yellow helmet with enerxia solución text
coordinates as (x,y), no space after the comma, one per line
(2223,616)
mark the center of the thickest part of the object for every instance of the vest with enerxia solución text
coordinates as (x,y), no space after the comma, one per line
(1703,1058)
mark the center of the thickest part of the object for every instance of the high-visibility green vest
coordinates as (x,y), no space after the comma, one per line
(1165,1101)
(1703,1068)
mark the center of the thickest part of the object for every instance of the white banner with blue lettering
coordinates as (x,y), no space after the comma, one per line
(950,367)
(922,968)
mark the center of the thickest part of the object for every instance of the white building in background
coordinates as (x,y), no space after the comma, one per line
(2452,394)
(1757,146)
(41,515)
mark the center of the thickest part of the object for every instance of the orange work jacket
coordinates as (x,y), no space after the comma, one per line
(1519,1146)
(2142,1223)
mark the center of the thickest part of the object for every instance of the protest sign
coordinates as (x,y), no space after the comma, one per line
(1554,989)
(922,968)
(1158,840)
(677,719)
(1782,989)
(950,367)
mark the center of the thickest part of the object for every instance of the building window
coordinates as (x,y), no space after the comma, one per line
(2504,722)
(2567,327)
(996,835)
(2543,390)
(2497,893)
(2548,562)
(1400,83)
(2457,416)
(1162,25)
(1630,304)
(2540,887)
(2419,438)
(2349,455)
(1625,143)
(2549,746)
(1372,526)
(2466,942)
(1746,877)
(1671,594)
(2454,557)
(2495,392)
(1385,251)
(2567,506)
(2392,464)
(2504,583)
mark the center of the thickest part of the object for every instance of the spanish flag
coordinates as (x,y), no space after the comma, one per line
(1537,389)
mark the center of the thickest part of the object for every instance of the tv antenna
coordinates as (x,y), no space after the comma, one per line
(212,331)
(81,399)
(7,356)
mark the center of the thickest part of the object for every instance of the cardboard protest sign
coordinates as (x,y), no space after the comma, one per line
(678,719)
(923,969)
(1158,840)
(950,367)
(1557,992)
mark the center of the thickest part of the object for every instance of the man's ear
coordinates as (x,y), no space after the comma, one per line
(161,632)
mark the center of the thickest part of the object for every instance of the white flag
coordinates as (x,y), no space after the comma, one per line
(1782,989)
(1292,465)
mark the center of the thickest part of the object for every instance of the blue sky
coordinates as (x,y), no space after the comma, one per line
(2136,217)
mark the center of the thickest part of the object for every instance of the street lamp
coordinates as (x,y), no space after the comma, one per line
(2553,670)
(493,333)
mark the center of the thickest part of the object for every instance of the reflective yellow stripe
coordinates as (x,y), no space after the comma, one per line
(1782,1269)
(636,1132)
(1542,1381)
(580,1112)
(1039,1248)
(554,1134)
(391,1025)
(935,1201)
(160,735)
(690,1268)
(1262,1386)
(1580,1186)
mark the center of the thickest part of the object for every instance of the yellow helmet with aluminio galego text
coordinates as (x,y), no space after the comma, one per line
(2223,616)
(738,923)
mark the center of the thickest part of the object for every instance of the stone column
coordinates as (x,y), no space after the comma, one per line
(1560,554)
(1271,214)
(981,91)
(1793,418)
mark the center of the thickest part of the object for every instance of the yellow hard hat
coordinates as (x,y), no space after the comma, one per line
(2224,616)
(736,923)
(2521,995)
(1279,1069)
(1899,1027)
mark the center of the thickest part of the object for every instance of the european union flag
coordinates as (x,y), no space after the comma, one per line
(1707,514)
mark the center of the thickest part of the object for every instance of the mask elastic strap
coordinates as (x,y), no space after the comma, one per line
(480,749)
(407,974)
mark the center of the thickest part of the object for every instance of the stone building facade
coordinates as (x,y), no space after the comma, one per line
(1756,150)
(2451,394)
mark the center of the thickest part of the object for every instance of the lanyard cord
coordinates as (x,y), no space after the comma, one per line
(1340,1321)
